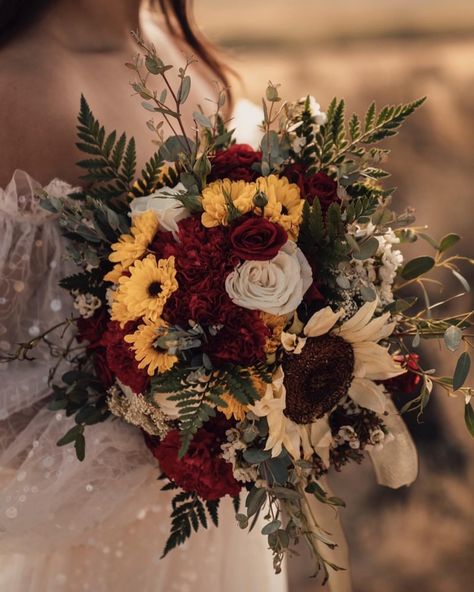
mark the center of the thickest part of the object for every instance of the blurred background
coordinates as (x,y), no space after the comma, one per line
(392,51)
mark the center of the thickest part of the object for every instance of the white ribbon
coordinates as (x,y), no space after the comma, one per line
(395,465)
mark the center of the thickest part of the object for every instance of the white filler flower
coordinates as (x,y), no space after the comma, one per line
(276,286)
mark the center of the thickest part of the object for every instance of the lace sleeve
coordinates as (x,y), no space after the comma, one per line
(31,264)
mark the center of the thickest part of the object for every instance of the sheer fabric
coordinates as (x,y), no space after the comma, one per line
(101,524)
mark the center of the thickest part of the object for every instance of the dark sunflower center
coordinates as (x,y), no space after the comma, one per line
(284,210)
(154,289)
(318,378)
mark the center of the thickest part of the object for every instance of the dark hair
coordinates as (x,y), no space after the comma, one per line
(17,15)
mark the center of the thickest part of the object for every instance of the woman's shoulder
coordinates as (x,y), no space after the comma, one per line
(36,122)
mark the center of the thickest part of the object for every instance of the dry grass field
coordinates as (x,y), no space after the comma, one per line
(388,50)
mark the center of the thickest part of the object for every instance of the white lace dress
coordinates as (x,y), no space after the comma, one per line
(99,525)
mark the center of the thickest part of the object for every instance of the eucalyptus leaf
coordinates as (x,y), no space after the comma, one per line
(70,436)
(461,371)
(367,249)
(255,500)
(255,456)
(202,120)
(417,267)
(462,280)
(448,241)
(469,418)
(271,527)
(184,89)
(452,338)
(80,446)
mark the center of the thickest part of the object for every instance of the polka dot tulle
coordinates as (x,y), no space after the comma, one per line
(99,525)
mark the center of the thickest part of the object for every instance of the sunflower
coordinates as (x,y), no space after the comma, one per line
(283,432)
(131,247)
(147,353)
(285,205)
(218,196)
(323,367)
(145,291)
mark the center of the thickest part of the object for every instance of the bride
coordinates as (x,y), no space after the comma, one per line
(99,525)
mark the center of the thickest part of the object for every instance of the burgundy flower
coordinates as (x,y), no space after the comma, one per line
(241,340)
(92,329)
(121,359)
(407,383)
(317,185)
(321,186)
(202,469)
(257,239)
(235,163)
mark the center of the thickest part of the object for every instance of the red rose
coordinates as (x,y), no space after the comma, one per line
(257,239)
(407,383)
(321,186)
(318,185)
(235,163)
(121,359)
(202,469)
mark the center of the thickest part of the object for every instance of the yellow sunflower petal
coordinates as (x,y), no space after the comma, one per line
(148,356)
(146,290)
(285,205)
(131,247)
(217,197)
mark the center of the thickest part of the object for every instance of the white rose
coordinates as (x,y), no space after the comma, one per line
(169,210)
(276,286)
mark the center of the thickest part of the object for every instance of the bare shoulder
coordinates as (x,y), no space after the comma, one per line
(37,117)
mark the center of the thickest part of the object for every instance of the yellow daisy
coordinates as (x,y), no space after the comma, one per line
(146,352)
(217,197)
(131,247)
(144,293)
(114,274)
(285,205)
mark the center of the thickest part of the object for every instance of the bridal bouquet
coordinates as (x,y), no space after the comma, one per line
(249,310)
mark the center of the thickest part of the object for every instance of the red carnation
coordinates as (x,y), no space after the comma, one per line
(201,469)
(235,163)
(91,329)
(257,239)
(241,340)
(318,185)
(120,358)
(407,383)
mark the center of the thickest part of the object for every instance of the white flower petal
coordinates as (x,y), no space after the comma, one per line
(321,439)
(276,286)
(322,322)
(368,394)
(361,318)
(169,210)
(375,330)
(373,361)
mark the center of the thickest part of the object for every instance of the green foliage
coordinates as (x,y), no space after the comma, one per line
(149,177)
(337,140)
(189,513)
(323,242)
(81,395)
(112,168)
